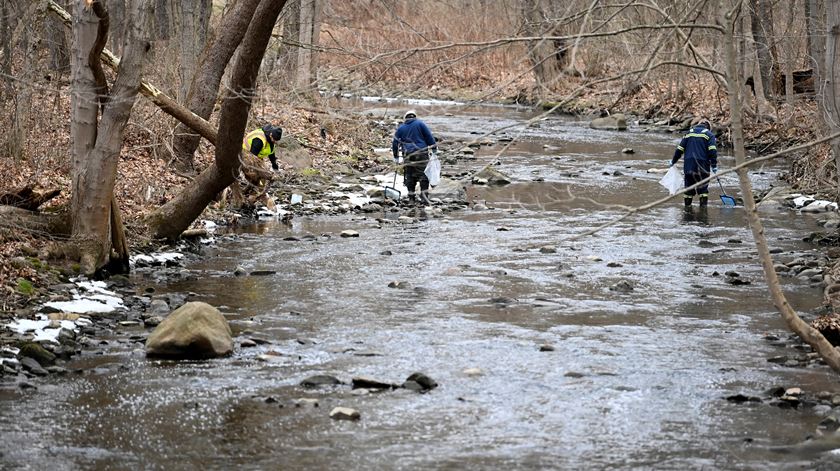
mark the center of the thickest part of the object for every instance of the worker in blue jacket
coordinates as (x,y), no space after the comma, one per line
(415,140)
(699,150)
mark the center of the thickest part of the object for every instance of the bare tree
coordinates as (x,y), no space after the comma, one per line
(193,19)
(204,87)
(301,33)
(175,216)
(831,77)
(116,13)
(97,141)
(807,333)
(762,30)
(541,52)
(57,44)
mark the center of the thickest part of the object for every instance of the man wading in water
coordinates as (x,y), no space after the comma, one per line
(700,152)
(415,139)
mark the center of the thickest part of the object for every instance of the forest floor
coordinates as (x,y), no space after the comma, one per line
(336,142)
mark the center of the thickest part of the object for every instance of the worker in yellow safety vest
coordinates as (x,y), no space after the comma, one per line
(261,142)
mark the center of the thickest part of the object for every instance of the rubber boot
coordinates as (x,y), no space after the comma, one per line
(411,199)
(424,198)
(688,202)
(704,201)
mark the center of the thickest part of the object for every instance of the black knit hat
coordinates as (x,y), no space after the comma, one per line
(274,132)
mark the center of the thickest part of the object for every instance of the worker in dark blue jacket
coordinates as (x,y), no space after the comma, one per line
(414,139)
(699,150)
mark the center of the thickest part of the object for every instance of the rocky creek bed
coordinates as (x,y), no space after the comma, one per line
(651,344)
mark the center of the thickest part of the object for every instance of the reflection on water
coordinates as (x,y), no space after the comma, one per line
(696,215)
(636,378)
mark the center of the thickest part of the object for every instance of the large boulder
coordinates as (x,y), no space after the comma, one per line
(194,330)
(616,122)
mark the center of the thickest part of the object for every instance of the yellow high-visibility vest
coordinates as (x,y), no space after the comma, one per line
(257,134)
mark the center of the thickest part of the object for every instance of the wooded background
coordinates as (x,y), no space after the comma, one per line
(209,70)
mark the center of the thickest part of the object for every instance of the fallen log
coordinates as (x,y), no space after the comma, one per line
(27,198)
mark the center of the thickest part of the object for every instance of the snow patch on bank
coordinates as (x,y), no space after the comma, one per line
(809,204)
(41,330)
(89,296)
(163,258)
(410,101)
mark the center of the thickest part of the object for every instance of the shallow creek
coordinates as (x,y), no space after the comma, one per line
(636,380)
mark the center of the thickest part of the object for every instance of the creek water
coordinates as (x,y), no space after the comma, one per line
(636,380)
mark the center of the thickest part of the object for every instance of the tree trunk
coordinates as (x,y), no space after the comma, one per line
(307,58)
(572,68)
(831,79)
(176,216)
(193,18)
(163,101)
(119,259)
(790,52)
(816,39)
(291,38)
(809,43)
(6,49)
(762,29)
(541,53)
(23,103)
(163,19)
(59,56)
(116,11)
(205,83)
(97,148)
(808,334)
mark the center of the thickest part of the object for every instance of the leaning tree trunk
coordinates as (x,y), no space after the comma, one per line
(807,333)
(170,220)
(97,146)
(205,82)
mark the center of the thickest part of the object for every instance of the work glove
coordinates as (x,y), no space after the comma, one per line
(400,160)
(714,170)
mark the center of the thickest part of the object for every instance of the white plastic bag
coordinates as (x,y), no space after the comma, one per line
(672,180)
(432,170)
